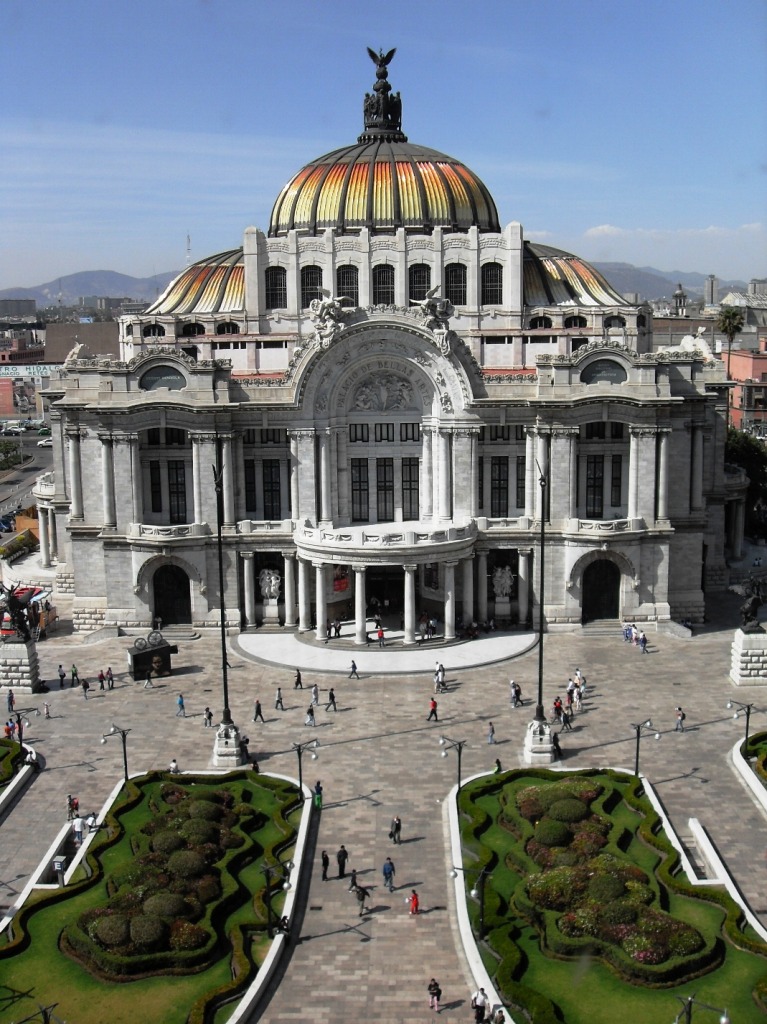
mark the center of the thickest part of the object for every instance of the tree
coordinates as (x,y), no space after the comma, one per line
(751,455)
(730,322)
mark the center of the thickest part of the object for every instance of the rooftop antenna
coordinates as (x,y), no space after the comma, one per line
(188,250)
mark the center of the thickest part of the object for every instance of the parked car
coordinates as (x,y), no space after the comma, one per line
(13,431)
(7,524)
(47,442)
(44,432)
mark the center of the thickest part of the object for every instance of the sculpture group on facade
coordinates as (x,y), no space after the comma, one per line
(502,581)
(269,581)
(753,591)
(328,315)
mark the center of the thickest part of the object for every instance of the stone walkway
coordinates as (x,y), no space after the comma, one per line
(379,757)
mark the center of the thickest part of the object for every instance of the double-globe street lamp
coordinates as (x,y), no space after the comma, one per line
(638,727)
(685,1014)
(22,723)
(299,749)
(123,734)
(269,871)
(477,892)
(447,744)
(747,708)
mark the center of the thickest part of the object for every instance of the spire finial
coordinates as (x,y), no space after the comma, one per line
(382,109)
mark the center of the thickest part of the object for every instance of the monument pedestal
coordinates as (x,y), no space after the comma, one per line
(502,610)
(748,666)
(271,611)
(227,752)
(19,666)
(539,748)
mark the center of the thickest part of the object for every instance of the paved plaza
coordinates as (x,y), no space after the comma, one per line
(379,757)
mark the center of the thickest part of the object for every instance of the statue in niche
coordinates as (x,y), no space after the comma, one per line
(328,315)
(502,580)
(753,592)
(269,581)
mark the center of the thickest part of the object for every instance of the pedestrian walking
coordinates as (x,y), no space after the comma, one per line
(75,677)
(566,720)
(11,701)
(331,700)
(395,831)
(354,672)
(490,732)
(414,902)
(362,894)
(278,705)
(70,808)
(148,684)
(110,678)
(441,671)
(577,706)
(77,830)
(47,709)
(497,770)
(86,686)
(325,865)
(432,716)
(62,676)
(556,746)
(318,795)
(352,880)
(180,706)
(102,679)
(388,874)
(207,718)
(435,994)
(380,635)
(309,720)
(643,643)
(479,1004)
(315,692)
(298,685)
(341,858)
(258,713)
(680,719)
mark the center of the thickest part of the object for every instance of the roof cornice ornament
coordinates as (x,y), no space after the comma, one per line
(382,111)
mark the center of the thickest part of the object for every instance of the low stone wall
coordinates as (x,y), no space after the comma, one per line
(748,666)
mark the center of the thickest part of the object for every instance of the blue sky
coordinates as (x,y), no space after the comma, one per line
(622,131)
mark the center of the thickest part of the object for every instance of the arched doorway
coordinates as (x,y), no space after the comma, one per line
(172,595)
(601,590)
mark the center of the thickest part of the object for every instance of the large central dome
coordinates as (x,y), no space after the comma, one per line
(383,182)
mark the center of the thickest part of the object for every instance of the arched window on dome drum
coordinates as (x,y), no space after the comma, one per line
(383,285)
(154,331)
(192,330)
(347,283)
(540,323)
(576,321)
(276,290)
(641,320)
(418,281)
(228,327)
(311,285)
(455,284)
(614,321)
(492,284)
(129,331)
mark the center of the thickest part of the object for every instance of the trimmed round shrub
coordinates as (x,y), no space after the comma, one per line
(552,833)
(172,794)
(684,942)
(557,889)
(639,894)
(168,905)
(618,912)
(113,930)
(148,932)
(197,832)
(230,840)
(208,889)
(205,809)
(167,842)
(568,810)
(583,921)
(605,888)
(186,863)
(187,936)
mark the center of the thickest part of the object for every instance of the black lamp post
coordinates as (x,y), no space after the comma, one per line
(22,723)
(539,712)
(123,734)
(299,749)
(748,709)
(447,744)
(218,483)
(638,727)
(685,1014)
(477,892)
(270,870)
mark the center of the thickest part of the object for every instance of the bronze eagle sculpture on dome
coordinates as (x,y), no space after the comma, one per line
(381,59)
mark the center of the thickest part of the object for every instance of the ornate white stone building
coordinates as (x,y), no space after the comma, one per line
(384,376)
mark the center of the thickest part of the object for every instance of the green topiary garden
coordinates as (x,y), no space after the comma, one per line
(578,872)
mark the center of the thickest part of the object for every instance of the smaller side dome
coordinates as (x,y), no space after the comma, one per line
(215,284)
(553,277)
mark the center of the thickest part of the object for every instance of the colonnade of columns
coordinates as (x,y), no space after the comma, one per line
(46,524)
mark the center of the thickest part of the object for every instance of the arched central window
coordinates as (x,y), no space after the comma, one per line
(455,284)
(228,327)
(154,331)
(192,330)
(347,283)
(614,321)
(276,296)
(311,285)
(419,281)
(383,285)
(576,321)
(492,284)
(540,323)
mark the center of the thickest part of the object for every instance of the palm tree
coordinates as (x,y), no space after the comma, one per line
(730,322)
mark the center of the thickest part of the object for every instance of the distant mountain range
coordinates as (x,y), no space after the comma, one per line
(647,282)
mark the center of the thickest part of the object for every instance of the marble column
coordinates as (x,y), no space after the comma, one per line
(409,603)
(482,585)
(326,511)
(573,503)
(45,547)
(137,490)
(633,504)
(360,605)
(52,535)
(696,490)
(304,598)
(197,478)
(426,491)
(468,590)
(228,471)
(740,518)
(249,586)
(320,599)
(530,475)
(290,590)
(523,586)
(108,483)
(450,600)
(664,444)
(445,474)
(293,476)
(75,476)
(543,463)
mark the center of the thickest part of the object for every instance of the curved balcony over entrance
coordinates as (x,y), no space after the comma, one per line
(383,543)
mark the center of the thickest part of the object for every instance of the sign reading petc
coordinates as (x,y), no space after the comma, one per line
(29,369)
